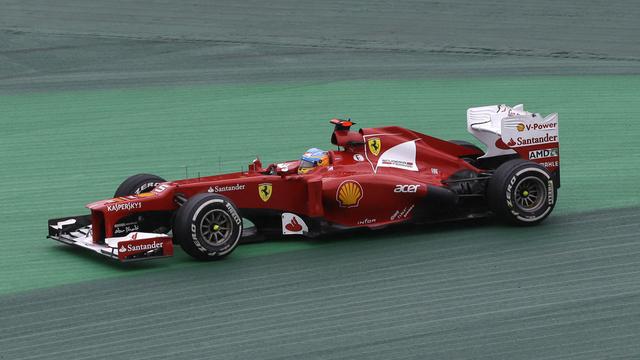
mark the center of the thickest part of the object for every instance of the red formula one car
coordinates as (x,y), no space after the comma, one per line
(376,177)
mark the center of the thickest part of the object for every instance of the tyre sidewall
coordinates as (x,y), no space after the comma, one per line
(145,186)
(522,215)
(187,226)
(502,191)
(137,184)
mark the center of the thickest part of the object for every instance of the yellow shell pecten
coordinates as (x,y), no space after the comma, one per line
(349,194)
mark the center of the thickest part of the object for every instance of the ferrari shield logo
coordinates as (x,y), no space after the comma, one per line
(265,190)
(374,145)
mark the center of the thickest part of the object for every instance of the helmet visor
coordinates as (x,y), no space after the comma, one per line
(306,164)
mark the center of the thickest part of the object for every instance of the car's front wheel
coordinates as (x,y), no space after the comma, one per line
(522,192)
(137,184)
(207,226)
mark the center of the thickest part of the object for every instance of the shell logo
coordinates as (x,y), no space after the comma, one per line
(520,127)
(349,194)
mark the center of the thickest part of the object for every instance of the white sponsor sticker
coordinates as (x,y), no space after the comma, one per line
(550,164)
(225,188)
(124,206)
(131,247)
(367,221)
(160,188)
(293,224)
(543,153)
(126,227)
(410,188)
(529,129)
(401,156)
(402,214)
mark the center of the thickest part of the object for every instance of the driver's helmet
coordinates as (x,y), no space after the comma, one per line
(311,159)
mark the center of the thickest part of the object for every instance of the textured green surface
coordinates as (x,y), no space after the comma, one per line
(92,91)
(67,149)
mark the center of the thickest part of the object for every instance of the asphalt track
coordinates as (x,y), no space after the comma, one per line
(90,90)
(77,44)
(567,290)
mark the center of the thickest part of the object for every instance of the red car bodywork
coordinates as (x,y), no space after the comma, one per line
(377,177)
(316,194)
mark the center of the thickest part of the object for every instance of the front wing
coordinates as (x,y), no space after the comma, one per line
(135,246)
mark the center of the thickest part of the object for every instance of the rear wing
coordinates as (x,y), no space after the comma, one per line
(534,138)
(512,130)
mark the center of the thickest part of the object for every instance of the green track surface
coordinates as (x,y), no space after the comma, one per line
(92,91)
(64,150)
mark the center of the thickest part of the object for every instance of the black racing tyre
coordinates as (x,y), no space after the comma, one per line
(207,226)
(521,192)
(466,144)
(137,184)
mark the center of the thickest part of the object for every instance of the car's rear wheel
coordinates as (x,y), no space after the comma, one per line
(522,192)
(137,184)
(207,226)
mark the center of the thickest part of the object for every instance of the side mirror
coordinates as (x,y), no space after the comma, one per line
(287,168)
(256,165)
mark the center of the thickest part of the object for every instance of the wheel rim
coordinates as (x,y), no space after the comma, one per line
(216,227)
(530,194)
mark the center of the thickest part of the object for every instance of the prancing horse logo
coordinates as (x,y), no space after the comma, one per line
(265,190)
(374,146)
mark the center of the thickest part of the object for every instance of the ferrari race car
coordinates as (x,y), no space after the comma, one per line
(376,177)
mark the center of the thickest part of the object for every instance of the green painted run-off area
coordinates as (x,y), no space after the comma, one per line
(62,150)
